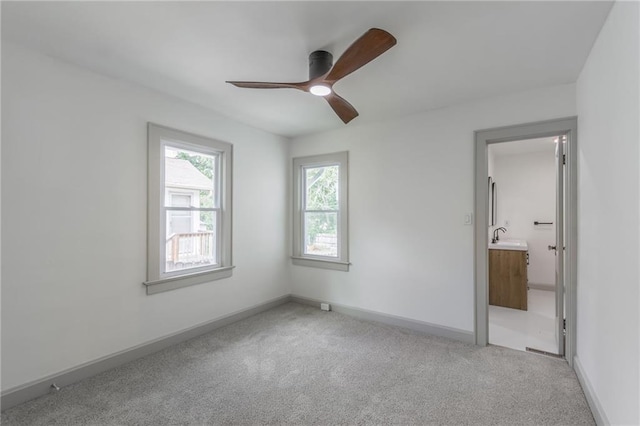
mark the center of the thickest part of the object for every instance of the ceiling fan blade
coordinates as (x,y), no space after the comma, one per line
(344,109)
(369,46)
(266,85)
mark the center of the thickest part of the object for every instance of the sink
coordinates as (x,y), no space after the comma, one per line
(520,245)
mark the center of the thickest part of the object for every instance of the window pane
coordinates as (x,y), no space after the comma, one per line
(191,174)
(321,188)
(321,234)
(190,240)
(180,200)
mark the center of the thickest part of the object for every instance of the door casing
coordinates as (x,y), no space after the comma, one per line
(483,138)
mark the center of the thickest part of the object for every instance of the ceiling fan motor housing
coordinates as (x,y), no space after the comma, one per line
(320,62)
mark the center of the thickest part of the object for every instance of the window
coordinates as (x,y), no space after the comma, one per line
(320,215)
(189,211)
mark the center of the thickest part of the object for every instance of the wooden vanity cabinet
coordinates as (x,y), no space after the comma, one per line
(508,278)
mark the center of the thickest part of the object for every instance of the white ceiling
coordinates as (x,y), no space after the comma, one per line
(447,52)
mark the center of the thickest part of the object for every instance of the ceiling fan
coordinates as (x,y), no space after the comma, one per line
(322,75)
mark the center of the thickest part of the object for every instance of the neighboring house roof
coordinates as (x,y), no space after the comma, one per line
(182,174)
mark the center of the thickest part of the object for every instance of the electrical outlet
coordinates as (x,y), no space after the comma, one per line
(507,223)
(325,306)
(468,219)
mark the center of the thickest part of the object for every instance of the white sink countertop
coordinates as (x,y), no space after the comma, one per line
(520,245)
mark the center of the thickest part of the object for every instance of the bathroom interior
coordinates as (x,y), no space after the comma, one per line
(522,239)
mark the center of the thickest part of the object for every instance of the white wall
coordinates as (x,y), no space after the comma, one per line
(608,331)
(74,217)
(526,190)
(411,184)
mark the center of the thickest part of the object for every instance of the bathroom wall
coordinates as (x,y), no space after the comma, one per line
(526,191)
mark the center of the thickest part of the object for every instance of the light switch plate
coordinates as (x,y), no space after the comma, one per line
(468,219)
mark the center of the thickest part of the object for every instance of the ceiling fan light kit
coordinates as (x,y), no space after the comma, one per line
(323,74)
(320,90)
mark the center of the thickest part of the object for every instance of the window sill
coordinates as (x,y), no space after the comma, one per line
(335,265)
(186,280)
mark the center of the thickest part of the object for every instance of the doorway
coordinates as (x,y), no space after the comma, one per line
(522,234)
(487,218)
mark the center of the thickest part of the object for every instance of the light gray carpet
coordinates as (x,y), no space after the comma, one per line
(298,365)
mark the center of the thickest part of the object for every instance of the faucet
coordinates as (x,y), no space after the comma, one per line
(496,236)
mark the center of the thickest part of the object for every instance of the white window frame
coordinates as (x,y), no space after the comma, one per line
(158,138)
(300,164)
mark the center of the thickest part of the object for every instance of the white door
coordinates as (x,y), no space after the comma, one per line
(559,247)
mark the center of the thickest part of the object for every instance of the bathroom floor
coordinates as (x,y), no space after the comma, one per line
(535,328)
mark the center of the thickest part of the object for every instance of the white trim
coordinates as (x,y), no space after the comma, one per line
(157,279)
(186,280)
(394,320)
(594,403)
(341,261)
(540,286)
(28,391)
(320,263)
(40,387)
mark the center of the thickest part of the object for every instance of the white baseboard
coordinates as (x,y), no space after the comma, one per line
(540,286)
(26,392)
(37,388)
(420,326)
(596,408)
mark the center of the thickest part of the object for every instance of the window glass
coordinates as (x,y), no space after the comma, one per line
(191,170)
(321,234)
(189,180)
(189,248)
(321,188)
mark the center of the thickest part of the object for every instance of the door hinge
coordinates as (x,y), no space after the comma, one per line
(564,158)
